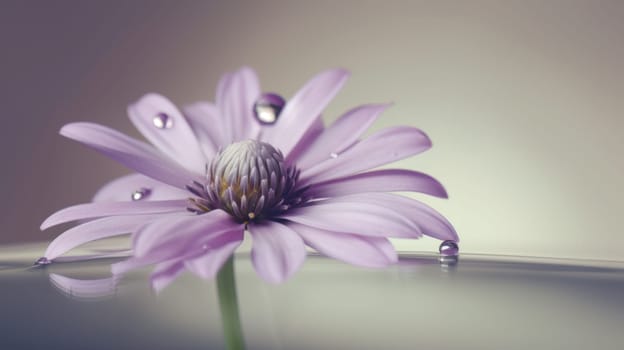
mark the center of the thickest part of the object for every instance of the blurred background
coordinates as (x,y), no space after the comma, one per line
(522,99)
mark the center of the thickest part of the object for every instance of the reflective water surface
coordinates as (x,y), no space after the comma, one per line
(477,302)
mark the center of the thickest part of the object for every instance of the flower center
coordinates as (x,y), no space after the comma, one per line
(249,180)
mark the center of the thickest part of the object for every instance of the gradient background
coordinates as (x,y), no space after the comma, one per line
(523,99)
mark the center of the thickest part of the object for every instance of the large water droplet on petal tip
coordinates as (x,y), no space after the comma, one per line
(162,121)
(140,194)
(42,261)
(268,107)
(449,248)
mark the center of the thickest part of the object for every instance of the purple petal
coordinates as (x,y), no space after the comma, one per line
(94,230)
(207,265)
(112,253)
(165,273)
(95,210)
(354,216)
(350,248)
(181,233)
(307,140)
(302,110)
(277,251)
(178,142)
(122,189)
(181,238)
(134,154)
(208,126)
(385,146)
(236,94)
(431,222)
(342,134)
(388,180)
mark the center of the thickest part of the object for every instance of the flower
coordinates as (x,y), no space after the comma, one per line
(252,162)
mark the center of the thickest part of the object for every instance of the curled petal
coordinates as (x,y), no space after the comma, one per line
(389,180)
(134,154)
(277,251)
(350,248)
(302,110)
(96,210)
(385,146)
(122,189)
(178,141)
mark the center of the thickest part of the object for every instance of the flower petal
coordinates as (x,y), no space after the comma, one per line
(182,233)
(122,188)
(356,217)
(208,126)
(236,95)
(95,210)
(387,180)
(165,273)
(306,141)
(178,142)
(431,222)
(134,154)
(277,251)
(342,134)
(350,248)
(94,230)
(207,265)
(303,109)
(179,238)
(385,146)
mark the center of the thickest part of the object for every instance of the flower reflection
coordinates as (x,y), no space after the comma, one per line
(85,289)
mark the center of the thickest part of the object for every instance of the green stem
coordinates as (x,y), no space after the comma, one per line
(226,286)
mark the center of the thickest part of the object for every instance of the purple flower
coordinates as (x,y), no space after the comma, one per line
(215,171)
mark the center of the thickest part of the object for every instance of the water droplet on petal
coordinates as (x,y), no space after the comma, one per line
(163,121)
(140,194)
(449,248)
(205,246)
(268,107)
(42,261)
(333,155)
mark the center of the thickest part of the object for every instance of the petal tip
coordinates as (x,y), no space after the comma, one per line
(68,130)
(48,222)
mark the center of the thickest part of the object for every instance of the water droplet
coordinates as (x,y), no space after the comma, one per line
(448,262)
(140,194)
(268,107)
(449,248)
(333,155)
(205,246)
(42,261)
(163,121)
